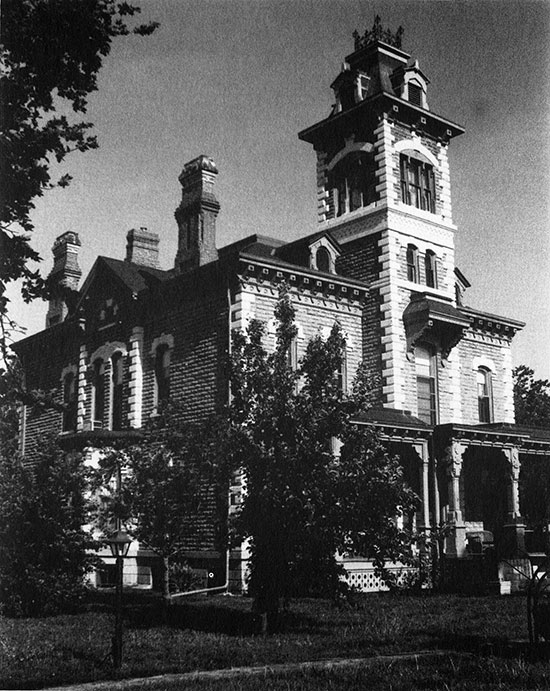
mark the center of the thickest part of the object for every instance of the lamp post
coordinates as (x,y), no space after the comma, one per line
(119,543)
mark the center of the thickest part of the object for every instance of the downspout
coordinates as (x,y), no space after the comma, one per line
(225,586)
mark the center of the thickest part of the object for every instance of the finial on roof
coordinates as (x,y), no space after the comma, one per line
(378,33)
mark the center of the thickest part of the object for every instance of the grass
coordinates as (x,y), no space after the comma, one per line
(450,673)
(36,653)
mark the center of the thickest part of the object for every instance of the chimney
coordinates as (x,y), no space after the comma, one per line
(142,247)
(64,276)
(196,215)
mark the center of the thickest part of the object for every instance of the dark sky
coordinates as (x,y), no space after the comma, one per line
(237,79)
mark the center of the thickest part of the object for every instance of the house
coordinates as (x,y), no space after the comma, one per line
(381,264)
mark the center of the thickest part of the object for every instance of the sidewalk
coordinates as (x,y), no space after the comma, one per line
(235,672)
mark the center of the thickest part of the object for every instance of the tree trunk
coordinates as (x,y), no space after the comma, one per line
(165,584)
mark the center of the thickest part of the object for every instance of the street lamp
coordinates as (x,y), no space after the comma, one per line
(119,543)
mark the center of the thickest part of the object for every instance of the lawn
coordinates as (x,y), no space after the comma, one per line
(76,648)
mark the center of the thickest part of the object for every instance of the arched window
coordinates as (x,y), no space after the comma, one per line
(69,401)
(484,394)
(426,384)
(412,264)
(417,183)
(430,266)
(322,260)
(162,373)
(98,394)
(117,376)
(353,181)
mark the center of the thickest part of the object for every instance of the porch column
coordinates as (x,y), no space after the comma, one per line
(514,529)
(421,448)
(455,543)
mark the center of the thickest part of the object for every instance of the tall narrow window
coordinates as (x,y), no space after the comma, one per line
(162,373)
(426,384)
(430,265)
(116,391)
(69,401)
(292,355)
(484,395)
(342,373)
(412,264)
(417,183)
(99,394)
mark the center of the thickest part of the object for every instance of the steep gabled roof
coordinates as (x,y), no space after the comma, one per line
(134,277)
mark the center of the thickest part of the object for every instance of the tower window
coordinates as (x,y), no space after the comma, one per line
(322,260)
(162,373)
(69,401)
(412,264)
(430,266)
(426,384)
(116,391)
(415,94)
(417,183)
(354,182)
(484,395)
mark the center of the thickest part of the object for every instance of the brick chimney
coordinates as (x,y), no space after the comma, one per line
(64,276)
(142,247)
(196,215)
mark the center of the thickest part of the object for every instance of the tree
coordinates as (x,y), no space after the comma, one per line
(532,406)
(44,549)
(302,502)
(51,52)
(531,398)
(173,475)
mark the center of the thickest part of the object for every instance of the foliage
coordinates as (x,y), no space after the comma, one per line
(532,406)
(303,504)
(531,398)
(171,477)
(43,547)
(51,52)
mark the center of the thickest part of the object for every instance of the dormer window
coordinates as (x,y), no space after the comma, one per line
(415,94)
(417,183)
(362,86)
(323,260)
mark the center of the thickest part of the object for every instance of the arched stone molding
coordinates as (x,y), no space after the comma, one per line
(416,147)
(70,369)
(107,350)
(481,362)
(349,148)
(163,339)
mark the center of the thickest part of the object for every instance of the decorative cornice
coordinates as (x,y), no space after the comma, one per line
(300,278)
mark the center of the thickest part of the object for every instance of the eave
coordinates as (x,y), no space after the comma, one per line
(370,109)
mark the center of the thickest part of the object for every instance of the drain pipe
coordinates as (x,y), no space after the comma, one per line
(225,586)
